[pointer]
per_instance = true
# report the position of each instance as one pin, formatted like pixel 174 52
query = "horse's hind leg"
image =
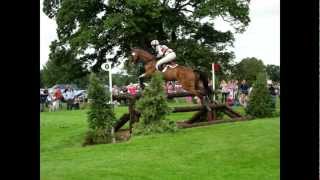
pixel 191 88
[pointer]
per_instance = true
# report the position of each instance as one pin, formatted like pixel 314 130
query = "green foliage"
pixel 248 69
pixel 154 108
pixel 273 72
pixel 260 101
pixel 98 136
pixel 41 81
pixel 101 117
pixel 63 68
pixel 200 56
pixel 118 78
pixel 103 25
pixel 156 127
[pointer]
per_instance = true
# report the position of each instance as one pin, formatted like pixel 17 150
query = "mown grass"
pixel 230 151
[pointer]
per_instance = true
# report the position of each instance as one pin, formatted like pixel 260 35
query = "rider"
pixel 166 54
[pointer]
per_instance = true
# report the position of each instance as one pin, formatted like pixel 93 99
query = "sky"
pixel 261 38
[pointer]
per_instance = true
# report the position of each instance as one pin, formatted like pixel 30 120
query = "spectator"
pixel 170 87
pixel 244 91
pixel 43 99
pixel 115 90
pixel 230 100
pixel 224 91
pixel 123 90
pixel 46 94
pixel 49 99
pixel 236 91
pixel 178 87
pixel 69 97
pixel 41 105
pixel 197 99
pixel 273 94
pixel 230 88
pixel 53 102
pixel 76 103
pixel 57 97
pixel 132 89
pixel 189 99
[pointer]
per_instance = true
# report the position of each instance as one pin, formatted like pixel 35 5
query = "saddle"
pixel 165 66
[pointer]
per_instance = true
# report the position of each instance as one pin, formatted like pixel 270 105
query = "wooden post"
pixel 130 115
pixel 209 115
pixel 213 82
pixel 214 114
pixel 113 135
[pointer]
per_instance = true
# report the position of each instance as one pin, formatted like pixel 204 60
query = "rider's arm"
pixel 159 52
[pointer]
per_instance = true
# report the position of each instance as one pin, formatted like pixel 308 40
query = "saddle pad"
pixel 169 66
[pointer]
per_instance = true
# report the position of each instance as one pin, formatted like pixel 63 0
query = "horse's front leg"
pixel 141 82
pixel 143 76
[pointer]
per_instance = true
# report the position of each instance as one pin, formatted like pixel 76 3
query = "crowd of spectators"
pixel 54 100
pixel 235 93
pixel 231 92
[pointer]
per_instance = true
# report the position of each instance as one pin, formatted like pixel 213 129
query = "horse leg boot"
pixel 141 83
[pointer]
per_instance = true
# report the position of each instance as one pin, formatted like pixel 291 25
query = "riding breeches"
pixel 169 57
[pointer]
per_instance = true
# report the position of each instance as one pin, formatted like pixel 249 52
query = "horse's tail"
pixel 204 79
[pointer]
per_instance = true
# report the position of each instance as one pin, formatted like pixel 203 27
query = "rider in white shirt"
pixel 166 54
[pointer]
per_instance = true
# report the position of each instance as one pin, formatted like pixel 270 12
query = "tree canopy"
pixel 248 69
pixel 62 67
pixel 90 29
pixel 273 72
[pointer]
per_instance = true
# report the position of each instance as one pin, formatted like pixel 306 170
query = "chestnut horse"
pixel 195 82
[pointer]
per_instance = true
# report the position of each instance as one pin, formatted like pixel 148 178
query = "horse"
pixel 193 81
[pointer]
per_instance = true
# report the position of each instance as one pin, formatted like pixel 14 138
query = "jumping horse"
pixel 193 81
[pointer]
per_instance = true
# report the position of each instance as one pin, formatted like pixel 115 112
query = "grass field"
pixel 232 151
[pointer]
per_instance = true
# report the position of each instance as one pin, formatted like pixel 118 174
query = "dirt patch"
pixel 123 135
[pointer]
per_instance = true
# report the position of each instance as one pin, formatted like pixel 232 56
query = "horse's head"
pixel 134 56
pixel 141 55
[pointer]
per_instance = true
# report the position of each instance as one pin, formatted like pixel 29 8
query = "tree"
pixel 118 79
pixel 248 69
pixel 260 101
pixel 63 67
pixel 101 117
pixel 41 81
pixel 273 72
pixel 102 25
pixel 154 107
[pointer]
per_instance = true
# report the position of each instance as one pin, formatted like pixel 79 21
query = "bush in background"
pixel 260 103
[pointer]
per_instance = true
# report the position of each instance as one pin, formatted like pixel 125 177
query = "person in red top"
pixel 132 89
pixel 58 94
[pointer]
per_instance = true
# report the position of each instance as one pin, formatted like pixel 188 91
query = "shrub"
pixel 101 117
pixel 153 107
pixel 260 101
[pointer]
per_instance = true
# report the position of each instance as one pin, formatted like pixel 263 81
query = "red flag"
pixel 215 67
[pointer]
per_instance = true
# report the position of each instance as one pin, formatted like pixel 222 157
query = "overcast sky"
pixel 261 38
